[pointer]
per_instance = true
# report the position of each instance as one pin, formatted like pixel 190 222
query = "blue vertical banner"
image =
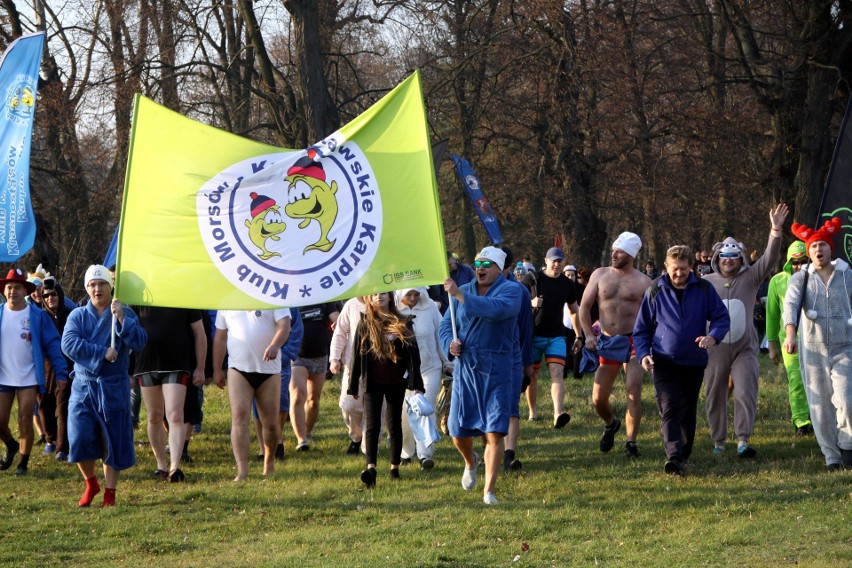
pixel 18 81
pixel 468 178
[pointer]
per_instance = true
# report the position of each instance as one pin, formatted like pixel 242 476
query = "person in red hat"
pixel 822 294
pixel 27 336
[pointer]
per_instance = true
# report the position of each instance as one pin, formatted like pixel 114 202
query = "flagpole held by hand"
pixel 453 321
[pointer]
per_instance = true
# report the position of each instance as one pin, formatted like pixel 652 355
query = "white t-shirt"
pixel 566 317
pixel 249 334
pixel 16 350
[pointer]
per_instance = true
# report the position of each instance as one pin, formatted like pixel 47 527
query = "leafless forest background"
pixel 681 120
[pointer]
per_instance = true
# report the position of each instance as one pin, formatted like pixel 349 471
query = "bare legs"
pixel 268 395
pixel 165 400
pixel 494 448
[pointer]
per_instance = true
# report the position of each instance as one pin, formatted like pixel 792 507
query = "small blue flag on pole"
pixel 18 81
pixel 468 178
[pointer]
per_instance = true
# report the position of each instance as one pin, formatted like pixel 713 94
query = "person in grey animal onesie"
pixel 736 282
pixel 825 340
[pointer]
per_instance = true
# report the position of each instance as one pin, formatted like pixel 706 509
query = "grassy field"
pixel 571 505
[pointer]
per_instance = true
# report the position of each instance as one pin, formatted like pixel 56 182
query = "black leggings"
pixel 395 396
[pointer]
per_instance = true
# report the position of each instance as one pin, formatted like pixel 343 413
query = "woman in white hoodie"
pixel 427 318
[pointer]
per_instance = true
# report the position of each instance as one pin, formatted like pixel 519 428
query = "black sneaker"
pixel 832 467
pixel 746 452
pixel 160 475
pixel 405 461
pixel 516 465
pixel 426 464
pixel 354 448
pixel 562 421
pixel 279 451
pixel 805 430
pixel 368 477
pixel 608 438
pixel 630 450
pixel 259 457
pixel 11 450
pixel 177 476
pixel 394 474
pixel 185 458
pixel 674 467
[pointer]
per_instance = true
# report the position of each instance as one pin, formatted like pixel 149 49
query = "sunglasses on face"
pixel 49 295
pixel 798 262
pixel 729 255
pixel 483 264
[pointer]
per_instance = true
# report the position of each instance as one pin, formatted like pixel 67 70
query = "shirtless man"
pixel 618 289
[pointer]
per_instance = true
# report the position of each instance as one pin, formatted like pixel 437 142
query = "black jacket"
pixel 409 354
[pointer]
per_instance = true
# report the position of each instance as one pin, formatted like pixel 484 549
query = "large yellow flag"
pixel 214 221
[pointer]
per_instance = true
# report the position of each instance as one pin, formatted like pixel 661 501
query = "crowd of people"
pixel 490 327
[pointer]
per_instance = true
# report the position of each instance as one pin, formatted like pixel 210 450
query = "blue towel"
pixel 589 363
pixel 615 348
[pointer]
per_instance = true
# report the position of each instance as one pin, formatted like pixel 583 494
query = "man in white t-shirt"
pixel 27 336
pixel 252 340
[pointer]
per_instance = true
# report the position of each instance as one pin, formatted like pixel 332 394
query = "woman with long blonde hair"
pixel 385 362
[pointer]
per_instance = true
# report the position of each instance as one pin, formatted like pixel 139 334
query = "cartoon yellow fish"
pixel 23 98
pixel 311 198
pixel 266 224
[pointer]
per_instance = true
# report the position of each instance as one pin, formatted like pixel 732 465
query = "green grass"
pixel 571 505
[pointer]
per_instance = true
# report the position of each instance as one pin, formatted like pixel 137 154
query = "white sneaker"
pixel 469 475
pixel 489 499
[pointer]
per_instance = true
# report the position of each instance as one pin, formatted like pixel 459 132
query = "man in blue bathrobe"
pixel 485 312
pixel 99 418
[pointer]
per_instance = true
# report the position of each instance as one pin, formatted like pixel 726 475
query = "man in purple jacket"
pixel 672 337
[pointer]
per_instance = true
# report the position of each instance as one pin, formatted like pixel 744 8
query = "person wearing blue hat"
pixel 551 291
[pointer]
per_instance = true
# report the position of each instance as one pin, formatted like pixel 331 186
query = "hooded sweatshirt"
pixel 427 320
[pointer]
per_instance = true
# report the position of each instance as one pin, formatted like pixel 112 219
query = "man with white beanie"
pixel 618 290
pixel 485 313
pixel 99 421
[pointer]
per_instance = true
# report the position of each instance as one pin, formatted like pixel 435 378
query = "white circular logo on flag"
pixel 293 228
pixel 20 99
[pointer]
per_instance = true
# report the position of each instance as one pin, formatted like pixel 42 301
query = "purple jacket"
pixel 668 328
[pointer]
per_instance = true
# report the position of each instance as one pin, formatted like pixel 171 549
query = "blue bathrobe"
pixel 99 417
pixel 483 385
